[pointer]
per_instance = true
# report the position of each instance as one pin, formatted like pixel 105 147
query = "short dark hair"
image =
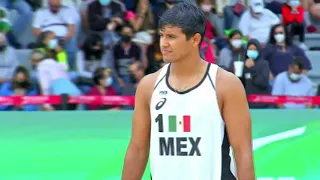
pixel 297 61
pixel 186 16
pixel 287 36
pixel 127 25
pixel 235 32
pixel 88 44
pixel 42 36
pixel 98 74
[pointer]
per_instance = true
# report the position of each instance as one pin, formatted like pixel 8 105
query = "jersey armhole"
pixel 161 76
pixel 212 75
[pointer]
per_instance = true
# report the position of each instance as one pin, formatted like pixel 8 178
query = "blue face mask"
pixel 294 3
pixel 53 43
pixel 252 54
pixel 105 2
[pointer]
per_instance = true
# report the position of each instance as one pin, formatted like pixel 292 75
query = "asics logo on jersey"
pixel 161 103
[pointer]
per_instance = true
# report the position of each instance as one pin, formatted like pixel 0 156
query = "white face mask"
pixel 108 82
pixel 237 43
pixel 295 77
pixel 279 38
pixel 206 7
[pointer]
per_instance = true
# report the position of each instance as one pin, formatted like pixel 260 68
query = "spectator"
pixel 293 83
pixel 104 17
pixel 48 43
pixel 8 60
pixel 256 73
pixel 143 19
pixel 89 58
pixel 257 21
pixel 56 18
pixel 124 53
pixel 53 79
pixel 280 51
pixel 24 12
pixel 231 10
pixel 103 87
pixel 207 49
pixel 154 56
pixel 293 19
pixel 275 5
pixel 233 52
pixel 84 14
pixel 19 86
pixel 312 8
pixel 137 73
pixel 6 28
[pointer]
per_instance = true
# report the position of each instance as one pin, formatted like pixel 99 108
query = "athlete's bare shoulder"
pixel 227 84
pixel 146 85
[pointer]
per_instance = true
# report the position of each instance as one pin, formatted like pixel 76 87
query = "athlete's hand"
pixel 249 63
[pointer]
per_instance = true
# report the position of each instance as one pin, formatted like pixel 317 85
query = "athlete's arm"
pixel 236 114
pixel 138 150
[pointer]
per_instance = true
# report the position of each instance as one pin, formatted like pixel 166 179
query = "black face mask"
pixel 125 38
pixel 170 1
pixel 22 84
pixel 2 47
pixel 133 78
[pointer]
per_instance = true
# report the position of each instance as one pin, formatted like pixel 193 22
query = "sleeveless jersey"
pixel 189 140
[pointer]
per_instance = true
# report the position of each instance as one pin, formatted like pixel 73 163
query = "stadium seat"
pixel 314 57
pixel 23 56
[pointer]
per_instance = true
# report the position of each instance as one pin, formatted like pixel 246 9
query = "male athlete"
pixel 188 113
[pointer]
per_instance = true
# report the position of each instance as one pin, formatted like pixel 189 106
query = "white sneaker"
pixel 303 46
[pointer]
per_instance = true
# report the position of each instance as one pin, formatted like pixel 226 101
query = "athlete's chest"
pixel 190 112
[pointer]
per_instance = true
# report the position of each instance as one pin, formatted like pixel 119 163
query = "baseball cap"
pixel 257 6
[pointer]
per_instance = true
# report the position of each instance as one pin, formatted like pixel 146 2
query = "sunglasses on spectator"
pixel 278 33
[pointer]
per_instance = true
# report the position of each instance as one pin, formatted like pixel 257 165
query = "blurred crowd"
pixel 105 47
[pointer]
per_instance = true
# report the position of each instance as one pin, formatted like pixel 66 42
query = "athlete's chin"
pixel 168 60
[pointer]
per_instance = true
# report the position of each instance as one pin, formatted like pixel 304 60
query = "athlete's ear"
pixel 196 40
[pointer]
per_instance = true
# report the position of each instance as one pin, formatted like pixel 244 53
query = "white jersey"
pixel 189 140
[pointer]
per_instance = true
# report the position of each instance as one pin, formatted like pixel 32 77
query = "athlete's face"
pixel 174 44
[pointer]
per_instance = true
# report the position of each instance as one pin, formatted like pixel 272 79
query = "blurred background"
pixel 82 60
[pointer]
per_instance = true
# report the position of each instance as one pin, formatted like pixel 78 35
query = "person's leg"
pixel 71 49
pixel 299 30
pixel 13 40
pixel 228 17
pixel 25 15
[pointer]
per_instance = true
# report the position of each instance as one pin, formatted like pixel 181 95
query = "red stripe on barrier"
pixel 129 100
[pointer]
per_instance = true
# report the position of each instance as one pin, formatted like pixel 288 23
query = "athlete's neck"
pixel 188 67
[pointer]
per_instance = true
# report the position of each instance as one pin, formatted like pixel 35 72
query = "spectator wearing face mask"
pixel 89 58
pixel 137 73
pixel 125 53
pixel 102 87
pixel 280 51
pixel 8 60
pixel 104 17
pixel 256 72
pixel 293 19
pixel 19 86
pixel 56 18
pixel 257 21
pixel 53 79
pixel 234 51
pixel 293 83
pixel 48 43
